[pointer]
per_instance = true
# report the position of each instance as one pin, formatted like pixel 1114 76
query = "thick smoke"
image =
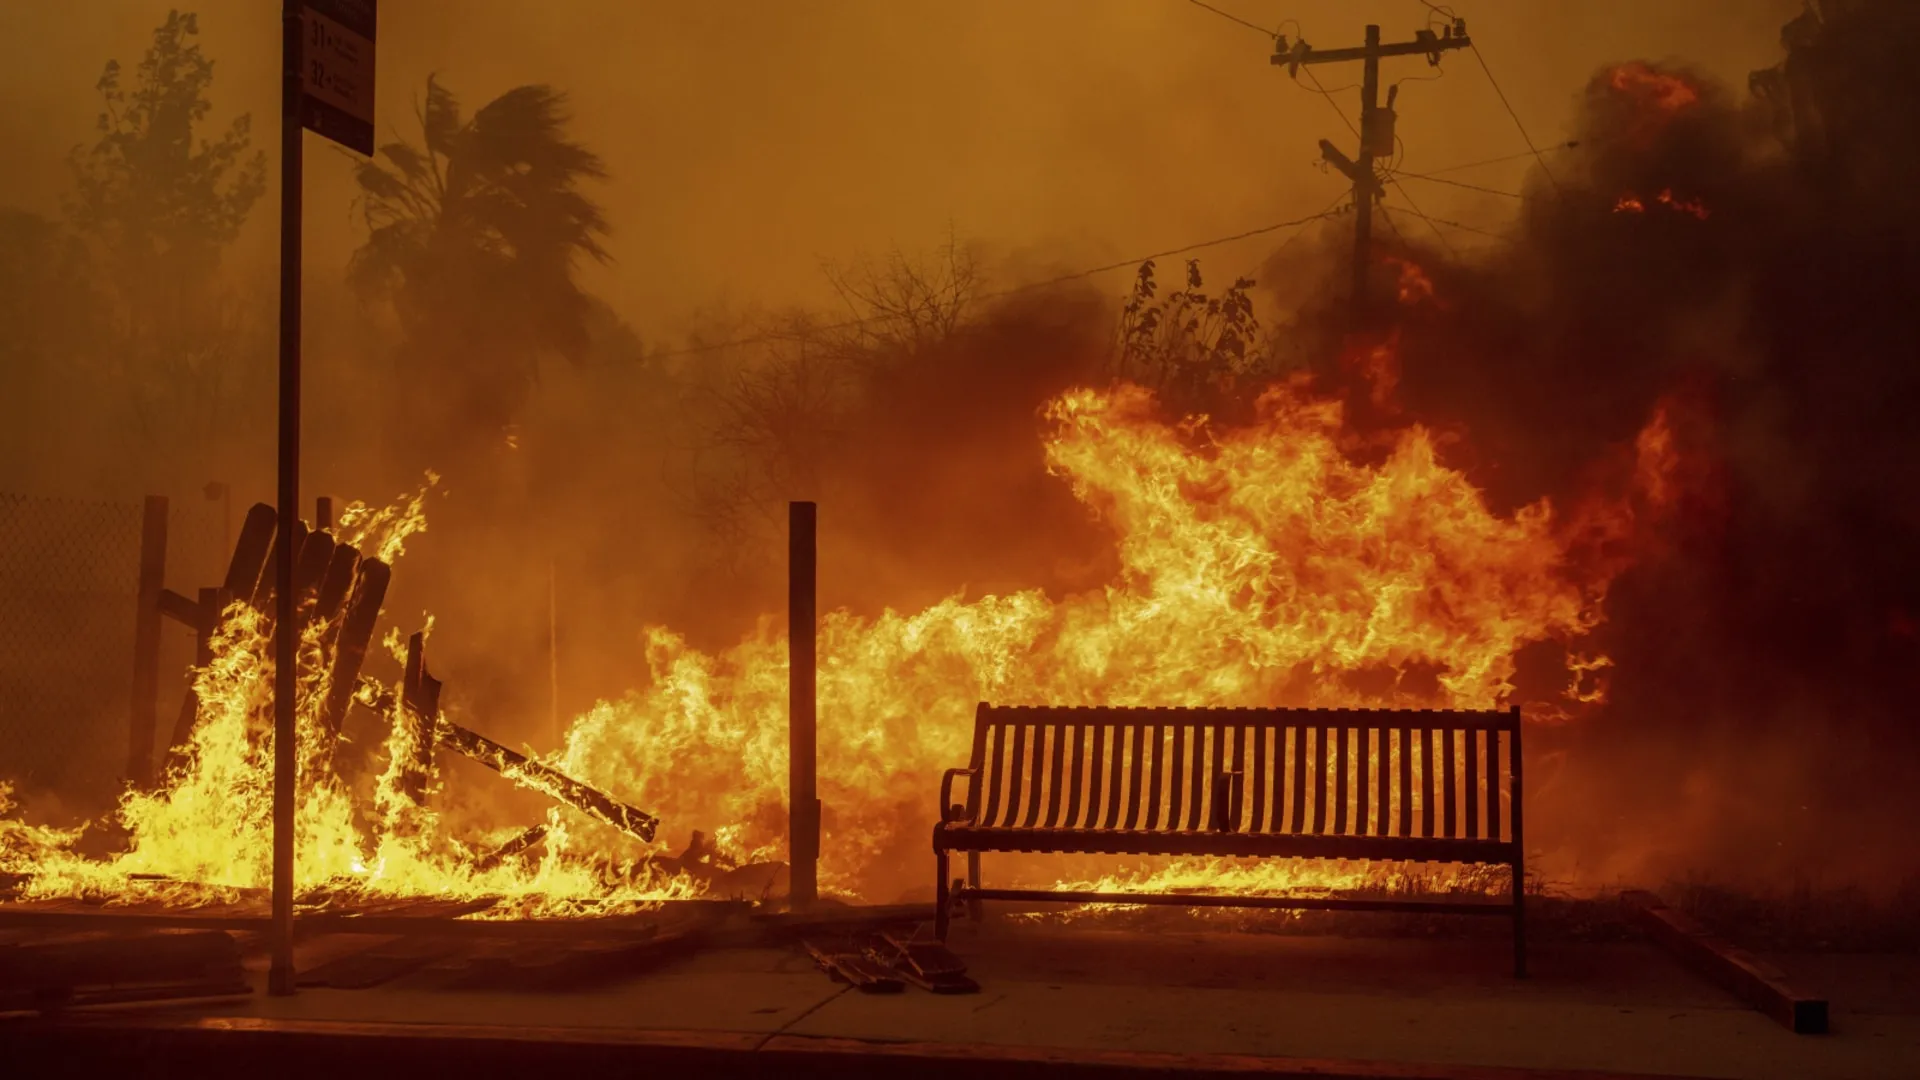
pixel 1744 254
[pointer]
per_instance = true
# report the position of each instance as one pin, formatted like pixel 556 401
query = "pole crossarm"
pixel 1305 54
pixel 1376 127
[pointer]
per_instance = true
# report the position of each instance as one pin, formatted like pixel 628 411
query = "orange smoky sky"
pixel 749 141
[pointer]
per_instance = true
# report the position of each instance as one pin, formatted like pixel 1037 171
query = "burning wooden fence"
pixel 340 592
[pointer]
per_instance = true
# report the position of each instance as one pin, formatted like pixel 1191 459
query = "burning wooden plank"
pixel 250 552
pixel 211 604
pixel 525 771
pixel 419 706
pixel 522 842
pixel 545 779
pixel 350 644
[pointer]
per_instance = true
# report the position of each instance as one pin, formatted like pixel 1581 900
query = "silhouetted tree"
pixel 157 204
pixel 1197 353
pixel 473 235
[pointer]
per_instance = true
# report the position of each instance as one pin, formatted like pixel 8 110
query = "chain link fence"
pixel 69 574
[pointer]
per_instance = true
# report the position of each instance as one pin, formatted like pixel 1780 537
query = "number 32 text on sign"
pixel 336 71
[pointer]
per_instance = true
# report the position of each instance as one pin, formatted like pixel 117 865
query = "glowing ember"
pixel 1691 207
pixel 1415 286
pixel 382 533
pixel 1659 90
pixel 1694 208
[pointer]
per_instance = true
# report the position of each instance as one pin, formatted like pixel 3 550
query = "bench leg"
pixel 1519 923
pixel 942 901
pixel 973 882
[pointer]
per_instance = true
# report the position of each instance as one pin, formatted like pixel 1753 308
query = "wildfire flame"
pixel 1661 91
pixel 1415 286
pixel 1260 565
pixel 1694 208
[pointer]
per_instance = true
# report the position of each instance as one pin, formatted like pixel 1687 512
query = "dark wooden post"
pixel 803 805
pixel 419 706
pixel 212 603
pixel 323 514
pixel 1517 800
pixel 146 640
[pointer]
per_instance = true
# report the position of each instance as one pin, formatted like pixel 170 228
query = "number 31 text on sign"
pixel 336 71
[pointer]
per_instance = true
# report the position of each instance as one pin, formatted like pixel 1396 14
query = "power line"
pixel 1332 104
pixel 1328 211
pixel 1062 279
pixel 1459 184
pixel 1417 212
pixel 1568 145
pixel 1463 228
pixel 1528 139
pixel 1391 178
pixel 1229 15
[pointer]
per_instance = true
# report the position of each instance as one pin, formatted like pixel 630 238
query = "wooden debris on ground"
pixel 1738 971
pixel 720 875
pixel 928 957
pixel 847 963
pixel 529 773
pixel 884 960
pixel 926 964
pixel 519 845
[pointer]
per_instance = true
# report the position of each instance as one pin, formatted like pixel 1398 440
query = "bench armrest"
pixel 947 806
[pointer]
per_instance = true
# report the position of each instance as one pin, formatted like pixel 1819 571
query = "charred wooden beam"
pixel 263 591
pixel 521 842
pixel 547 780
pixel 316 554
pixel 250 552
pixel 180 609
pixel 419 705
pixel 146 640
pixel 525 771
pixel 210 606
pixel 334 586
pixel 350 645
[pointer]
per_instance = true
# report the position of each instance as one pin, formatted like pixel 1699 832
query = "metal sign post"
pixel 326 85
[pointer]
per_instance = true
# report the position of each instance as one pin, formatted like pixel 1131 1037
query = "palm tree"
pixel 474 235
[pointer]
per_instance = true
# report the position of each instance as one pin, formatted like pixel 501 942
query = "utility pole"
pixel 1376 127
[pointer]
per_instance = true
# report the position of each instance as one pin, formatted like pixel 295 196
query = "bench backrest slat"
pixel 1492 785
pixel 1335 772
pixel 1404 744
pixel 1258 783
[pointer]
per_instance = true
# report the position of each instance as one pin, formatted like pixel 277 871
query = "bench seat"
pixel 1387 785
pixel 1227 844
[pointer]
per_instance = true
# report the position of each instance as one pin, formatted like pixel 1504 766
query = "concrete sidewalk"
pixel 1062 995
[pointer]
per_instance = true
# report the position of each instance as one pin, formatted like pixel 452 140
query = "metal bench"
pixel 1239 783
